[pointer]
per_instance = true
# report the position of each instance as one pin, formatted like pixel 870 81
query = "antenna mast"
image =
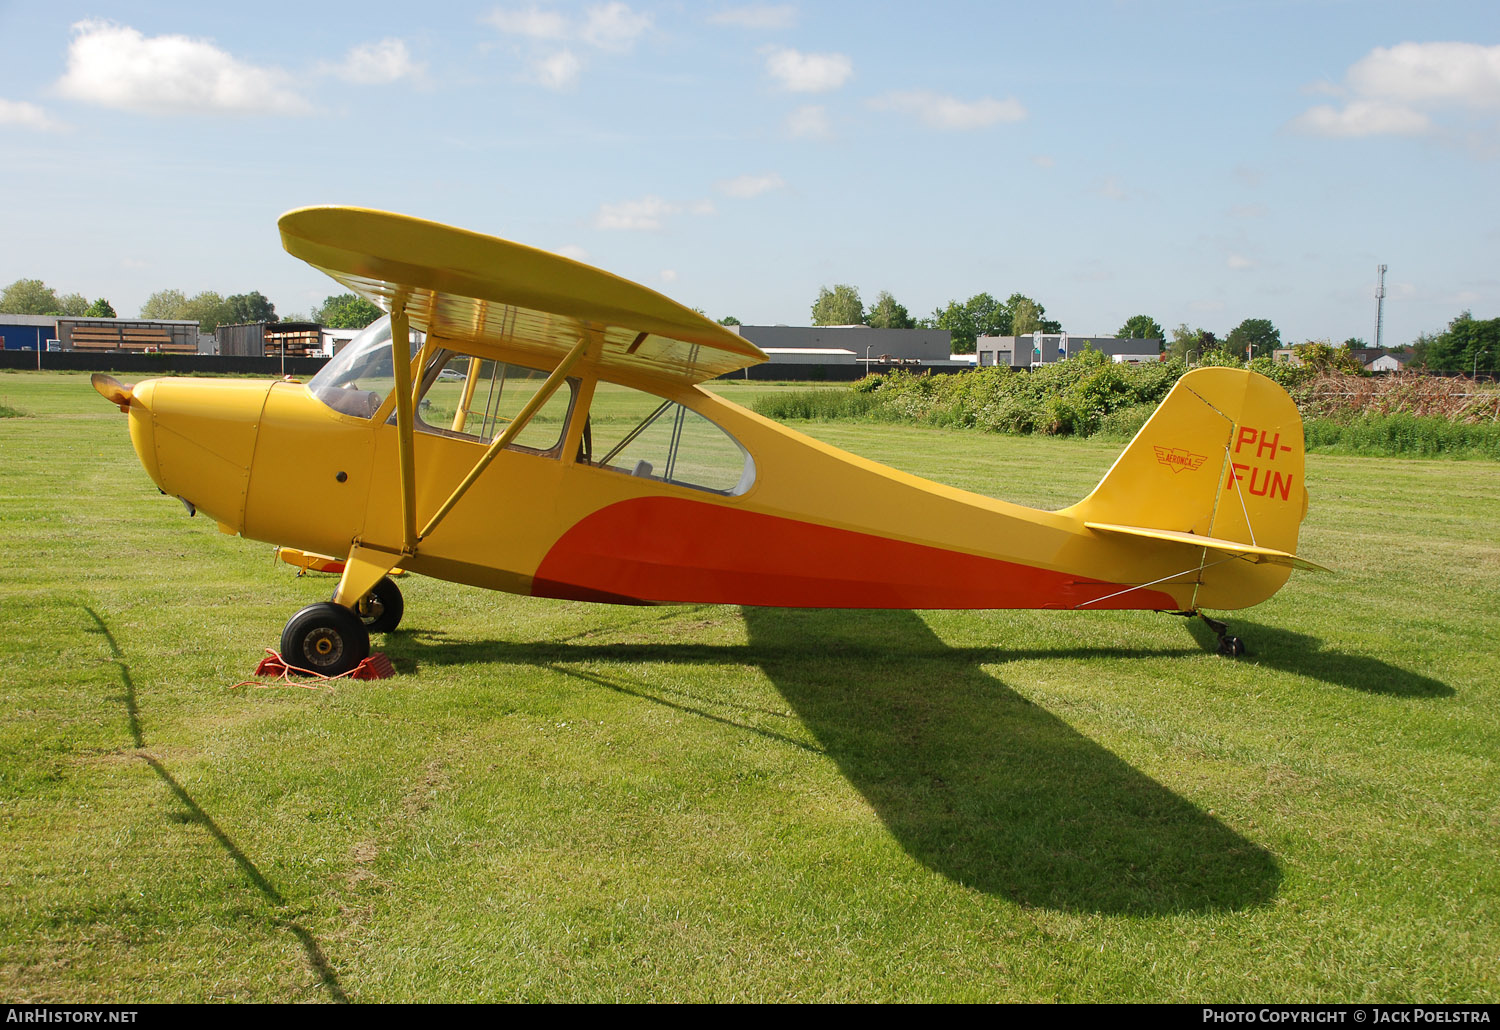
pixel 1379 307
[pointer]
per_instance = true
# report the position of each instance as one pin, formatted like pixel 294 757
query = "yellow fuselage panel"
pixel 312 482
pixel 196 437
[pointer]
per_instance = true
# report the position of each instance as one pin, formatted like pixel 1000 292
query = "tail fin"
pixel 1219 468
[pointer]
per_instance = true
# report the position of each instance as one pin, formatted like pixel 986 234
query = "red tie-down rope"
pixel 375 667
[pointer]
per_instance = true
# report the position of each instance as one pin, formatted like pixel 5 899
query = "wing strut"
pixel 556 379
pixel 405 423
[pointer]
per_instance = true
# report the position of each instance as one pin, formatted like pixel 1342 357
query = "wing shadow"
pixel 973 780
pixel 991 790
pixel 1305 655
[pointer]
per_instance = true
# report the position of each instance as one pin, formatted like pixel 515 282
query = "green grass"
pixel 563 801
pixel 1405 434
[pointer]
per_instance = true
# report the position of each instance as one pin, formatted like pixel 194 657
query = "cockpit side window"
pixel 641 434
pixel 476 398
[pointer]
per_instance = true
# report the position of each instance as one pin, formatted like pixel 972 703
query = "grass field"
pixel 561 801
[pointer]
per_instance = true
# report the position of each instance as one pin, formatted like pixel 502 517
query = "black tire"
pixel 381 609
pixel 325 638
pixel 1233 647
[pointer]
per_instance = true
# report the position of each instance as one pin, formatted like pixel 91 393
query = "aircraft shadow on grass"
pixel 193 813
pixel 972 779
pixel 1305 655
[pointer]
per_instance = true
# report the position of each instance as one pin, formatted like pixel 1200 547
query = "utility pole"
pixel 1379 307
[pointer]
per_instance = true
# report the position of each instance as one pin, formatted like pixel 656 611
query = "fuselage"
pixel 804 524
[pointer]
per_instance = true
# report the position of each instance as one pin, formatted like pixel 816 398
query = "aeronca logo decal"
pixel 1179 458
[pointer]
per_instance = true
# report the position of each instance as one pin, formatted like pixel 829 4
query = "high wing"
pixel 466 287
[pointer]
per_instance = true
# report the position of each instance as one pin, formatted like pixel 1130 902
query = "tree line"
pixel 967 320
pixel 980 315
pixel 34 297
pixel 208 309
pixel 1468 344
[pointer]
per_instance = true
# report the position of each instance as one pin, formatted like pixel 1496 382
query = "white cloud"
pixel 757 16
pixel 374 64
pixel 573 251
pixel 746 186
pixel 668 275
pixel 808 73
pixel 28 116
pixel 1112 189
pixel 1323 88
pixel 532 22
pixel 1238 261
pixel 1394 91
pixel 557 71
pixel 1247 211
pixel 810 121
pixel 1044 161
pixel 1362 118
pixel 115 66
pixel 1430 73
pixel 613 26
pixel 646 213
pixel 949 113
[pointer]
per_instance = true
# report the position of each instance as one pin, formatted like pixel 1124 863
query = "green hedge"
pixel 1089 394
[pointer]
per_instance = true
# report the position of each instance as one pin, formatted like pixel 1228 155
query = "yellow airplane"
pixel 547 433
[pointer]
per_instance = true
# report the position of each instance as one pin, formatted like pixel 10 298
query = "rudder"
pixel 1222 457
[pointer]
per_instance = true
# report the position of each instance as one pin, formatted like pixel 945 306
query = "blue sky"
pixel 1198 162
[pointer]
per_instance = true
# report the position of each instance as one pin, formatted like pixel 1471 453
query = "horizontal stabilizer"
pixel 1250 552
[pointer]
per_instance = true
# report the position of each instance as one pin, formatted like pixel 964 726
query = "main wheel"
pixel 325 638
pixel 381 609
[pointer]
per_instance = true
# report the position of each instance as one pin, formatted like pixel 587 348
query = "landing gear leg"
pixel 1229 646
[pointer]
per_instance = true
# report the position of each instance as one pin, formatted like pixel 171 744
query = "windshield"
pixel 359 376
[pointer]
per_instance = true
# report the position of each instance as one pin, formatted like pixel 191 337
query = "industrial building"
pixel 28 332
pixel 138 335
pixel 70 333
pixel 854 346
pixel 1047 348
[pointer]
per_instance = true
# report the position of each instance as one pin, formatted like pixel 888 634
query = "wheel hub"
pixel 323 647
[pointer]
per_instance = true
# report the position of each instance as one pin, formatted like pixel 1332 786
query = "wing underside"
pixel 466 287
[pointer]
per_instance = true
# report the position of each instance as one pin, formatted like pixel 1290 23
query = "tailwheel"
pixel 1231 647
pixel 381 609
pixel 325 638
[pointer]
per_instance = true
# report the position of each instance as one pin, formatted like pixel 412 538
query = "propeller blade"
pixel 112 390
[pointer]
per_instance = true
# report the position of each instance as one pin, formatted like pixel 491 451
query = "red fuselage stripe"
pixel 661 549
